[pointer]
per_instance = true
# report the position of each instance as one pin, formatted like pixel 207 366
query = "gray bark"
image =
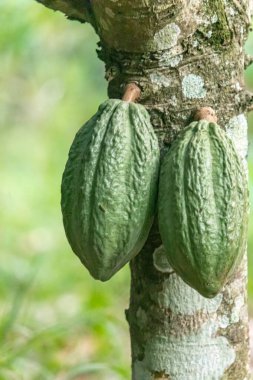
pixel 183 54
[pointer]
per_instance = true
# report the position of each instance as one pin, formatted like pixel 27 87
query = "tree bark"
pixel 182 54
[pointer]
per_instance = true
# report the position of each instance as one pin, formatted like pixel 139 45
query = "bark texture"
pixel 183 54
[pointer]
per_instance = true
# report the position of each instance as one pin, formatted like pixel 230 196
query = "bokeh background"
pixel 55 321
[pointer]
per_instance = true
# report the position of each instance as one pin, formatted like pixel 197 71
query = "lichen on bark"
pixel 183 54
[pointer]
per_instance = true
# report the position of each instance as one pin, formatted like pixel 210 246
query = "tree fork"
pixel 183 55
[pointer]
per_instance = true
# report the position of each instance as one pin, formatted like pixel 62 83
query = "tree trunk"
pixel 182 54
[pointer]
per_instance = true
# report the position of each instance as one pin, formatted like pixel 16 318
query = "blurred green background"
pixel 55 321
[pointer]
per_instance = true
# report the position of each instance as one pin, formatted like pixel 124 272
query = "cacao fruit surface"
pixel 203 207
pixel 109 187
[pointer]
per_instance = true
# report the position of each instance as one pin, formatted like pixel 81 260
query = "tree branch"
pixel 73 9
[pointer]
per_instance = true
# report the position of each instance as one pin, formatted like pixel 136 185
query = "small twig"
pixel 132 93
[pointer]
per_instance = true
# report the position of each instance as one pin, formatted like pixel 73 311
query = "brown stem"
pixel 205 113
pixel 131 93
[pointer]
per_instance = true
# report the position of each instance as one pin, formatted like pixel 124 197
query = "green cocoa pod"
pixel 109 187
pixel 203 207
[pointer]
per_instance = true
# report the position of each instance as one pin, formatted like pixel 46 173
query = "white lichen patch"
pixel 231 11
pixel 167 37
pixel 160 261
pixel 209 34
pixel 214 18
pixel 237 129
pixel 235 289
pixel 224 321
pixel 173 101
pixel 237 86
pixel 171 59
pixel 174 61
pixel 201 355
pixel 236 311
pixel 180 298
pixel 234 315
pixel 193 87
pixel 159 80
